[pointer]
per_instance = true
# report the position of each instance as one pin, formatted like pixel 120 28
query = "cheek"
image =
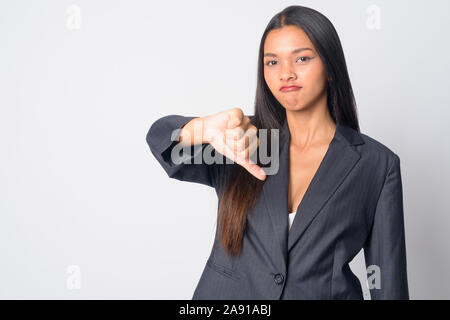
pixel 270 79
pixel 310 75
pixel 314 78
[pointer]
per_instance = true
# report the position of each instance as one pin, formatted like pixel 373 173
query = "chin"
pixel 294 108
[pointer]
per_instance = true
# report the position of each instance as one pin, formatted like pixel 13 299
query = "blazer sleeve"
pixel 159 139
pixel 385 247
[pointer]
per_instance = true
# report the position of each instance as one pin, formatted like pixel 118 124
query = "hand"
pixel 232 134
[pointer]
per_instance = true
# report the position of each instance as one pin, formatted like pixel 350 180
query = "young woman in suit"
pixel 343 187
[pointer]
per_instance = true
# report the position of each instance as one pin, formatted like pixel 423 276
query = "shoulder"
pixel 376 151
pixel 377 161
pixel 375 155
pixel 373 145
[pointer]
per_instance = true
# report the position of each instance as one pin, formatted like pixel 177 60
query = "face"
pixel 291 59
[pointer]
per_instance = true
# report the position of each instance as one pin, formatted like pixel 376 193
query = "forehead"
pixel 284 40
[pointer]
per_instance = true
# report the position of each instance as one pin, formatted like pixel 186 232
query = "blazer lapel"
pixel 339 160
pixel 337 163
pixel 275 194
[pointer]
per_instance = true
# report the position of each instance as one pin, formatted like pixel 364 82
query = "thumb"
pixel 254 169
pixel 233 122
pixel 247 164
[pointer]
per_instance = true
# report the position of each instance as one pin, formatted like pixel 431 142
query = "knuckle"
pixel 237 112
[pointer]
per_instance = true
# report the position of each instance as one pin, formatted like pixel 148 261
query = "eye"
pixel 305 59
pixel 302 59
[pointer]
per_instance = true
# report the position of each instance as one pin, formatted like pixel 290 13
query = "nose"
pixel 287 72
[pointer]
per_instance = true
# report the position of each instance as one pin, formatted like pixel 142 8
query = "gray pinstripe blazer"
pixel 354 201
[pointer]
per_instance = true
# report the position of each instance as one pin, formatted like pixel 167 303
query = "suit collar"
pixel 339 160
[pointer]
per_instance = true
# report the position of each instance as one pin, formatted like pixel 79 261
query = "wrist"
pixel 201 122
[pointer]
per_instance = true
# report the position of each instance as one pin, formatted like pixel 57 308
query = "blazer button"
pixel 279 278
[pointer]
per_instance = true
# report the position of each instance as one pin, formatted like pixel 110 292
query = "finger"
pixel 237 145
pixel 234 119
pixel 247 144
pixel 251 131
pixel 252 127
pixel 236 132
pixel 250 136
pixel 238 135
pixel 229 153
pixel 245 123
pixel 240 145
pixel 253 169
pixel 250 150
pixel 249 165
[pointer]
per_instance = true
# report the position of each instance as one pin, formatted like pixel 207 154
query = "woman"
pixel 343 187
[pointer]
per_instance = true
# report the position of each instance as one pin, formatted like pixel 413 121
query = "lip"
pixel 290 88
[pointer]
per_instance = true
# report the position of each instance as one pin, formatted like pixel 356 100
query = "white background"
pixel 82 81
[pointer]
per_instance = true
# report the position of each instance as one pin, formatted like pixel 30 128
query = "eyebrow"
pixel 268 54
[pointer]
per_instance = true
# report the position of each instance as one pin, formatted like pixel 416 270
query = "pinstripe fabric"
pixel 354 201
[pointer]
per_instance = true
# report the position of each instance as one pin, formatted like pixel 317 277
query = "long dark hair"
pixel 242 189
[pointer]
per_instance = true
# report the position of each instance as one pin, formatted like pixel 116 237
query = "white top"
pixel 291 218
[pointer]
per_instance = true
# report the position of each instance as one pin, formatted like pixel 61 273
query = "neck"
pixel 310 127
